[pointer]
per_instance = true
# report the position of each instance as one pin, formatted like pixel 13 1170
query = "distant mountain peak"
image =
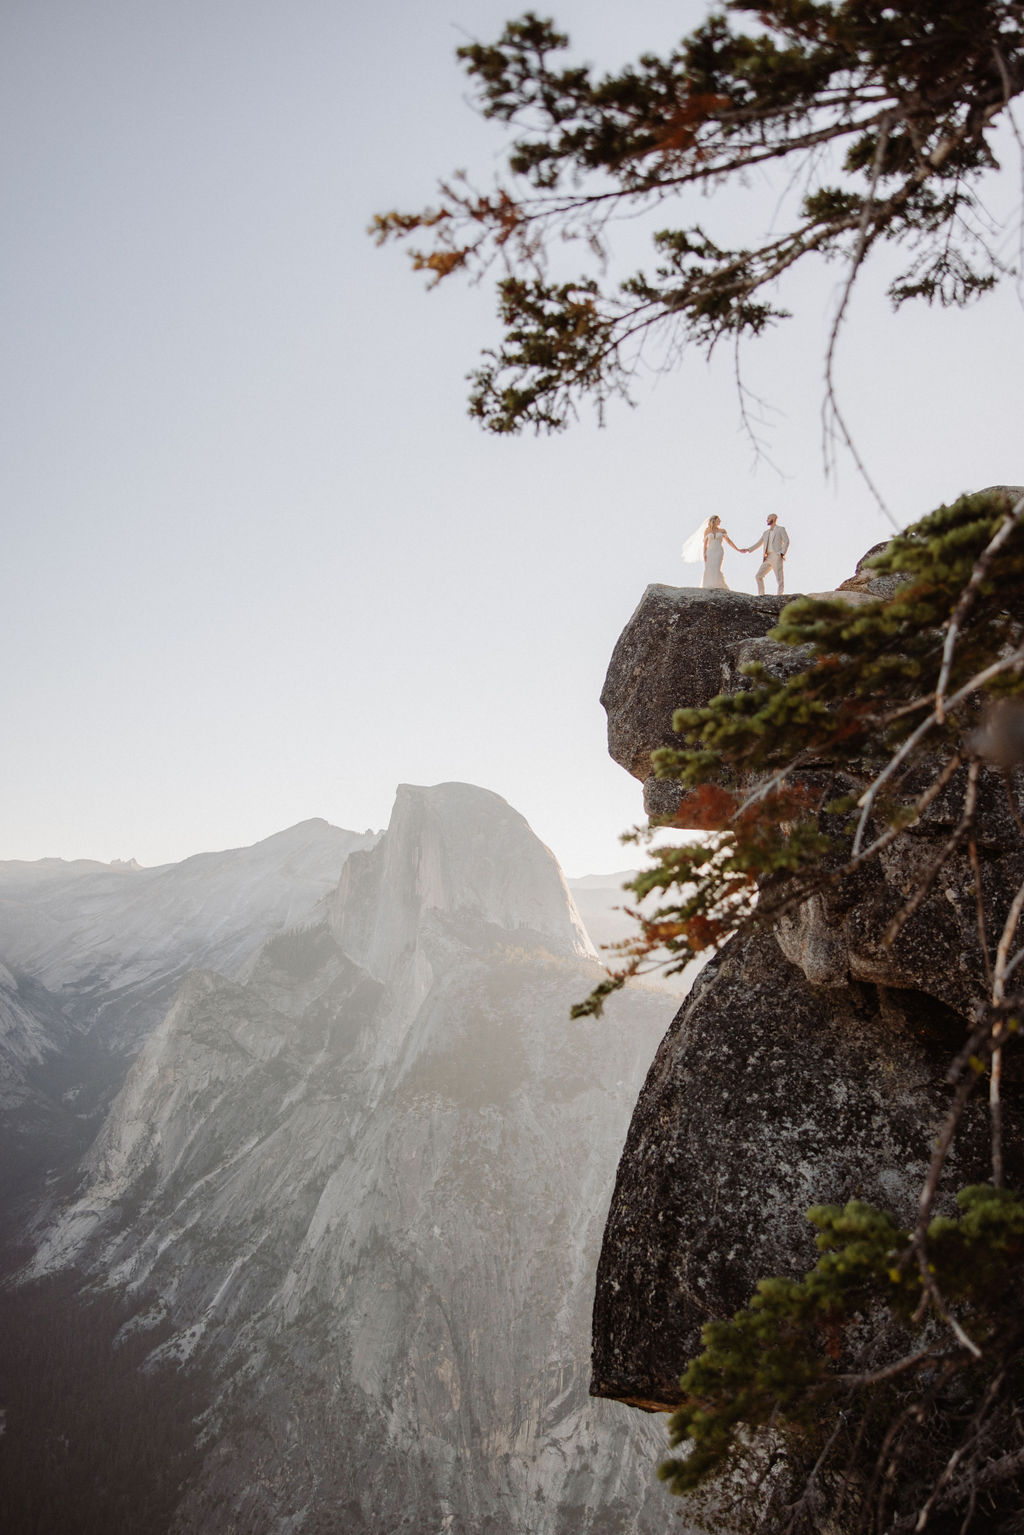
pixel 451 849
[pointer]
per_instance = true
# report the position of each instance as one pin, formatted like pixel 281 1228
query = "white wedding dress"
pixel 713 563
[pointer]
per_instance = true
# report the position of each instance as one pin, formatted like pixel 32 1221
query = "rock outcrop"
pixel 676 652
pixel 839 936
pixel 808 1064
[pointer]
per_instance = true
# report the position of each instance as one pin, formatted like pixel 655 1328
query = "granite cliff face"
pixel 808 1064
pixel 91 955
pixel 676 652
pixel 365 1185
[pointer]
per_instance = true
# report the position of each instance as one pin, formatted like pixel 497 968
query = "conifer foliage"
pixel 882 113
pixel 800 779
pixel 907 714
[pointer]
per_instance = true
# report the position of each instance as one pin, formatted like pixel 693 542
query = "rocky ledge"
pixel 679 649
pixel 807 1066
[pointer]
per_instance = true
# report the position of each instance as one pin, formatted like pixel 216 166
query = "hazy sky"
pixel 258 563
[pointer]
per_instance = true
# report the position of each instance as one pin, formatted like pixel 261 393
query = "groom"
pixel 774 542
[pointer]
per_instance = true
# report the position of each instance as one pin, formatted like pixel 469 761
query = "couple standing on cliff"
pixel 774 542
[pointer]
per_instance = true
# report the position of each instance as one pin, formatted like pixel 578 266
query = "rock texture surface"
pixel 676 652
pixel 808 1064
pixel 681 648
pixel 366 1186
pixel 839 936
pixel 766 1096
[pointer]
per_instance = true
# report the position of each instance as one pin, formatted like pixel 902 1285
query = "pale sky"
pixel 259 565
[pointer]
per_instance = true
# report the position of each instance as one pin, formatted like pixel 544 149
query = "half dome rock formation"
pixel 808 1064
pixel 459 855
pixel 364 1190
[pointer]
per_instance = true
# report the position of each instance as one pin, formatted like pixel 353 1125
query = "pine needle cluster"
pixel 884 113
pixel 872 1444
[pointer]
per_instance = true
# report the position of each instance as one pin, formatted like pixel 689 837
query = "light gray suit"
pixel 774 542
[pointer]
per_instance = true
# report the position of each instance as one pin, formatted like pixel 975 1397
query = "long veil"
pixel 693 549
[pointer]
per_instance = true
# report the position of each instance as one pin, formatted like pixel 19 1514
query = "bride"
pixel 711 539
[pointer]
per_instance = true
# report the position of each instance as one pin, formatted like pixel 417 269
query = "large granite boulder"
pixel 684 646
pixel 676 652
pixel 767 1095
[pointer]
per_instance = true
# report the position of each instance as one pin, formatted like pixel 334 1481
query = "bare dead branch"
pixel 979 909
pixel 931 874
pixel 803 1502
pixel 963 1449
pixel 1006 938
pixel 901 1366
pixel 919 806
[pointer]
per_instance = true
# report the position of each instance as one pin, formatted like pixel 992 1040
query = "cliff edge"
pixel 808 1064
